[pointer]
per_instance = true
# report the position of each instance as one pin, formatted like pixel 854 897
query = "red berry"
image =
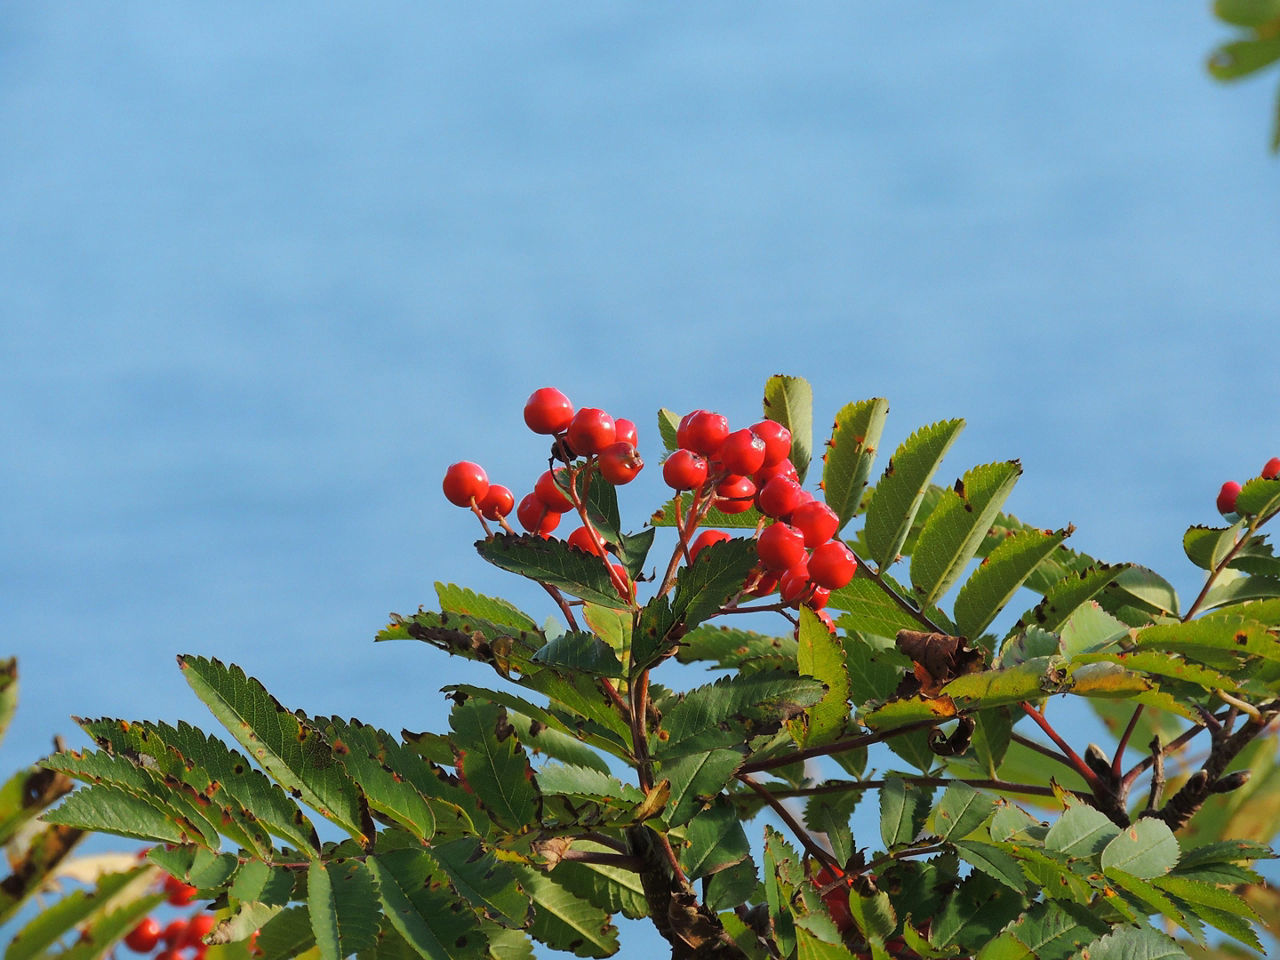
pixel 590 431
pixel 497 502
pixel 178 893
pixel 684 470
pixel 624 430
pixel 620 576
pixel 780 547
pixel 198 928
pixel 794 584
pixel 826 619
pixel 734 494
pixel 779 497
pixel 463 481
pixel 1272 469
pixel 705 539
pixel 170 954
pixel 742 452
pixel 816 521
pixel 817 600
pixel 619 463
pixel 548 411
pixel 144 937
pixel 760 583
pixel 783 468
pixel 581 539
pixel 1227 497
pixel 702 432
pixel 174 932
pixel 551 493
pixel 837 900
pixel 777 441
pixel 831 565
pixel 535 517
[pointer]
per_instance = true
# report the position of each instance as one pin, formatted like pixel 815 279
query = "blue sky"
pixel 265 273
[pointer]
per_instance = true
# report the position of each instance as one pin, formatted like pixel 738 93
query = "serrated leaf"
pixel 478 877
pixel 789 401
pixel 112 810
pixel 957 526
pixel 1206 547
pixel 829 815
pixel 668 424
pixel 1048 931
pixel 1144 588
pixel 994 861
pixel 1146 849
pixel 992 734
pixel 550 742
pixel 730 648
pixel 1223 909
pixel 494 764
pixel 343 904
pixel 288 934
pixel 716 576
pixel 584 782
pixel 1133 943
pixel 1054 876
pixel 975 913
pixel 1216 641
pixel 1090 628
pixel 897 812
pixel 1005 569
pixel 1081 832
pixel 781 874
pixel 579 652
pixel 611 740
pixel 468 603
pixel 899 712
pixel 248 917
pixel 901 489
pixel 714 840
pixel 1064 597
pixel 665 516
pixel 80 908
pixel 869 609
pixel 753 703
pixel 874 672
pixel 563 921
pixel 382 769
pixel 1261 495
pixel 1247 13
pixel 1029 680
pixel 1163 664
pixel 422 912
pixel 263 883
pixel 293 753
pixel 695 778
pixel 555 562
pixel 851 451
pixel 821 656
pixel 961 810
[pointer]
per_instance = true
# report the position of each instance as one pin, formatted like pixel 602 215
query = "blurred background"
pixel 266 272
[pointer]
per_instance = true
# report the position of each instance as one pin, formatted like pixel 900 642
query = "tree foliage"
pixel 578 788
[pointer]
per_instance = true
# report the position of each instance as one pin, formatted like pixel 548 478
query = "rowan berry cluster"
pixel 183 937
pixel 1231 490
pixel 736 470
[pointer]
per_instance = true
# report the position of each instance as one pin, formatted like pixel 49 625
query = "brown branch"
pixel 814 850
pixel 844 786
pixel 840 746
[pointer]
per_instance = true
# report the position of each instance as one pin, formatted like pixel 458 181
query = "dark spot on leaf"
pixel 1242 638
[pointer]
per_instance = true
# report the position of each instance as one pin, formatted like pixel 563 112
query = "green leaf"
pixel 957 526
pixel 829 814
pixel 547 741
pixel 494 764
pixel 1090 628
pixel 1215 641
pixel 468 603
pixel 112 810
pixel 874 672
pixel 901 490
pixel 665 516
pixel 1145 589
pixel 1261 496
pixel 1081 832
pixel 293 753
pixel 994 861
pixel 1145 849
pixel 1029 680
pixel 1243 57
pixel 961 810
pixel 1048 931
pixel 992 734
pixel 975 913
pixel 1163 664
pixel 479 878
pixel 730 648
pixel 821 656
pixel 1247 13
pixel 716 576
pixel 1224 909
pixel 563 921
pixel 612 741
pixel 633 550
pixel 898 812
pixel 1148 900
pixel 382 768
pixel 585 783
pixel 734 709
pixel 579 652
pixel 343 904
pixel 1134 943
pixel 696 778
pixel 261 882
pixel 870 609
pixel 249 916
pixel 555 562
pixel 851 451
pixel 8 692
pixel 1206 547
pixel 781 874
pixel 999 576
pixel 288 934
pixel 789 401
pixel 611 889
pixel 422 909
pixel 84 908
pixel 714 840
pixel 1064 597
pixel 668 424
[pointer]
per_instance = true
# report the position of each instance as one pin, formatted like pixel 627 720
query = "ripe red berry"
pixel 174 932
pixel 581 539
pixel 548 411
pixel 780 547
pixel 551 493
pixel 837 900
pixel 624 430
pixel 705 539
pixel 178 893
pixel 831 565
pixel 735 494
pixel 779 497
pixel 816 521
pixel 684 470
pixel 702 432
pixel 818 599
pixel 497 502
pixel 742 452
pixel 620 577
pixel 198 928
pixel 535 517
pixel 144 937
pixel 760 583
pixel 826 619
pixel 1271 469
pixel 590 431
pixel 777 441
pixel 1227 497
pixel 619 463
pixel 783 468
pixel 794 584
pixel 463 481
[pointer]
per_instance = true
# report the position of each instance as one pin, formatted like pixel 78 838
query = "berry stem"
pixel 1096 785
pixel 558 597
pixel 475 508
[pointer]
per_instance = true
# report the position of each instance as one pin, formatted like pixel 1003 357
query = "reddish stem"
pixel 1097 786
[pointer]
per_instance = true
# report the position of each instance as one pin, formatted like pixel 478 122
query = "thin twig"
pixel 558 597
pixel 815 851
pixel 840 746
pixel 908 608
pixel 1041 748
pixel 1124 741
pixel 846 786
pixel 1095 784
